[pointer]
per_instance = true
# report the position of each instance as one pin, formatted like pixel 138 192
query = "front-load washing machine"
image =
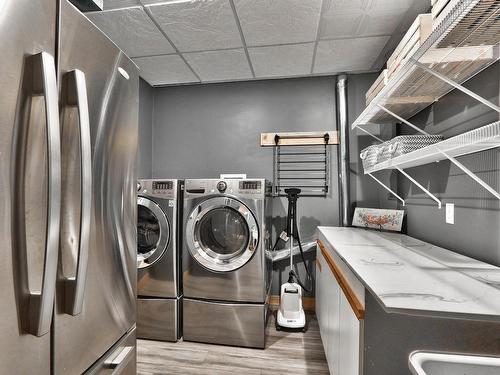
pixel 159 290
pixel 227 266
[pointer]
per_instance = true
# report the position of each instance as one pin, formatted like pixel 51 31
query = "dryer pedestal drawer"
pixel 237 324
pixel 158 319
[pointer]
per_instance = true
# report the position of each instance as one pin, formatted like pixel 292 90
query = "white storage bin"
pixel 404 144
pixel 369 156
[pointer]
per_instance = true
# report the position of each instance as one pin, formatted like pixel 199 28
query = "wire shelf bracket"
pixel 387 188
pixel 419 185
pixel 458 86
pixel 450 158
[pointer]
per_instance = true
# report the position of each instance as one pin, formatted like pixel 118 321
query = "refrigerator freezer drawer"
pixel 237 324
pixel 158 319
pixel 121 359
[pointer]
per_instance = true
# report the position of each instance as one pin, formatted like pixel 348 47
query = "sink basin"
pixel 432 363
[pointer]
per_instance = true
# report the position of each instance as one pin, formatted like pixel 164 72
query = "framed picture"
pixel 378 219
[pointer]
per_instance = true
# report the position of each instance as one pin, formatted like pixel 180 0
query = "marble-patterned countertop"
pixel 410 276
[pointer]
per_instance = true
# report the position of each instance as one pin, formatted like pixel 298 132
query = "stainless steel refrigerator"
pixel 68 143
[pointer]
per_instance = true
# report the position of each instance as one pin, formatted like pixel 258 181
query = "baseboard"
pixel 308 303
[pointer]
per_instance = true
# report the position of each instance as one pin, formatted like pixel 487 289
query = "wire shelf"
pixel 476 140
pixel 464 43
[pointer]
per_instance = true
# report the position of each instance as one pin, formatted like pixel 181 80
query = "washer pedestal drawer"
pixel 237 324
pixel 158 319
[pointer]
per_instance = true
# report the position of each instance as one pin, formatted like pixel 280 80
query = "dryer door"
pixel 222 234
pixel 153 232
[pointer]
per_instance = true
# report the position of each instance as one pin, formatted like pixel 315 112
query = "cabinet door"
pixel 321 298
pixel 349 339
pixel 333 325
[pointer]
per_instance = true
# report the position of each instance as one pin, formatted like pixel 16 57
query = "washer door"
pixel 153 232
pixel 222 234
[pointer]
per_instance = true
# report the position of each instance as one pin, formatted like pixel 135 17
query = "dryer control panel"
pixel 248 188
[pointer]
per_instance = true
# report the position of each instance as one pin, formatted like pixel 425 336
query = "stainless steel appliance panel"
pixel 158 318
pixel 158 273
pixel 238 324
pixel 108 295
pixel 249 283
pixel 121 359
pixel 26 28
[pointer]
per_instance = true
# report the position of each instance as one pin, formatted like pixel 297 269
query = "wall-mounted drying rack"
pixel 302 160
pixel 466 42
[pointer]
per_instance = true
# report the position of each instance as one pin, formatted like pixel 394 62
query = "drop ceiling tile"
pixel 282 61
pixel 198 25
pixel 336 26
pixel 348 55
pixel 132 30
pixel 267 22
pixel 164 70
pixel 381 22
pixel 116 4
pixel 331 6
pixel 399 4
pixel 343 18
pixel 219 65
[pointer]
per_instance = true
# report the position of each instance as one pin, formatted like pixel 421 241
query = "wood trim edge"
pixel 356 305
pixel 318 264
pixel 308 303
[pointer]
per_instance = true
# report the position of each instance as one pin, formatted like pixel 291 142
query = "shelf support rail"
pixel 450 158
pixel 387 188
pixel 457 86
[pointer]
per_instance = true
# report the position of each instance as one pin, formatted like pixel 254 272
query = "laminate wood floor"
pixel 285 353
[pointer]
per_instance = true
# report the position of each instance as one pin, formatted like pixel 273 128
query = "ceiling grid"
pixel 197 41
pixel 238 24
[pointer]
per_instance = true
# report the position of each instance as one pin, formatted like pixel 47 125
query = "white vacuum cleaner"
pixel 291 313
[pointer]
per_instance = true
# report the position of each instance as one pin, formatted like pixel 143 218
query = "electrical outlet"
pixel 450 213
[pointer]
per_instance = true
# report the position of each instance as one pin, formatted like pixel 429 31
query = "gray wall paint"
pixel 144 155
pixel 204 130
pixel 365 192
pixel 477 212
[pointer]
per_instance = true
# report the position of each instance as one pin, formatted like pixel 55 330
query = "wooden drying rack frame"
pixel 299 138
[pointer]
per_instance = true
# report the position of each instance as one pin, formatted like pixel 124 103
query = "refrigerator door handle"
pixel 41 304
pixel 75 286
pixel 121 359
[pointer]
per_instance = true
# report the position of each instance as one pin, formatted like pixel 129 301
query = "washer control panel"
pixel 158 188
pixel 222 186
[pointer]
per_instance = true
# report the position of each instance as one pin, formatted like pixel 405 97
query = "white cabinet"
pixel 350 339
pixel 340 326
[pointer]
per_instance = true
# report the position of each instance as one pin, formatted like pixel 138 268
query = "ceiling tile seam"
pixel 315 49
pixel 354 37
pixel 243 41
pixel 228 49
pixel 148 12
pixel 307 75
pixel 362 21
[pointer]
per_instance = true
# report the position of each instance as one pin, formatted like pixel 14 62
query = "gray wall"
pixel 144 153
pixel 477 213
pixel 365 192
pixel 204 130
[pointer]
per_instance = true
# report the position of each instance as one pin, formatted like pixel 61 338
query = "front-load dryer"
pixel 226 262
pixel 159 291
